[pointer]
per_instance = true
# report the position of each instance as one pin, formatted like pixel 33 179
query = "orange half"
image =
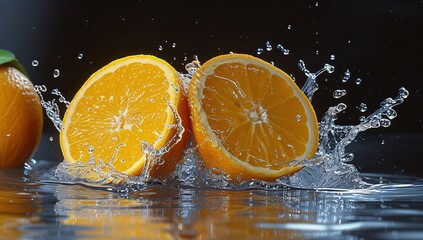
pixel 121 105
pixel 250 119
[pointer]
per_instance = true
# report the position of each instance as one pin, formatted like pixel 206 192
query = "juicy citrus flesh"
pixel 121 105
pixel 21 117
pixel 250 119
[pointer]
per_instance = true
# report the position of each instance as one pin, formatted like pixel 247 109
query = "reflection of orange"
pixel 21 117
pixel 113 218
pixel 168 213
pixel 238 217
pixel 17 208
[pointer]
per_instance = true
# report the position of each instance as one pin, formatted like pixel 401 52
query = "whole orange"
pixel 21 117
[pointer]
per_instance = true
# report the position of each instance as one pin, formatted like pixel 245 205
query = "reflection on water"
pixel 391 209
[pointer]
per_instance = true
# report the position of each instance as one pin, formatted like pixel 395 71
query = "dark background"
pixel 380 42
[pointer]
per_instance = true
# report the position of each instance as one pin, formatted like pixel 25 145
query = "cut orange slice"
pixel 250 119
pixel 121 105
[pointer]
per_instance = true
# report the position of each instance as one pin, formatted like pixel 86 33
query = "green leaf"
pixel 7 57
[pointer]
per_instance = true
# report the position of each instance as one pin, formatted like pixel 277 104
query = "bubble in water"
pixel 358 81
pixel 80 56
pixel 339 93
pixel 268 46
pixel 160 47
pixel 56 73
pixel 259 51
pixel 332 57
pixel 35 63
pixel 50 139
pixel 362 107
pixel 346 76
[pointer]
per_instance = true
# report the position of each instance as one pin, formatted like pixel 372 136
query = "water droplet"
pixel 358 81
pixel 259 51
pixel 56 73
pixel 173 45
pixel 385 122
pixel 329 68
pixel 346 76
pixel 332 57
pixel 362 118
pixel 391 113
pixel 388 102
pixel 339 93
pixel 8 134
pixel 284 50
pixel 317 4
pixel 362 107
pixel 317 52
pixel 80 56
pixel 35 63
pixel 268 46
pixel 43 88
pixel 50 139
pixel 114 138
pixel 341 107
pixel 279 137
pixel 403 92
pixel 383 142
pixel 289 26
pixel 91 150
pixel 298 117
pixel 160 47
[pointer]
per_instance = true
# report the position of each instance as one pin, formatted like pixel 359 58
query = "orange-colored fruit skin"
pixel 174 155
pixel 21 118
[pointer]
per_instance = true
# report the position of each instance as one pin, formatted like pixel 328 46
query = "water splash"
pixel 50 107
pixel 97 172
pixel 329 168
pixel 311 86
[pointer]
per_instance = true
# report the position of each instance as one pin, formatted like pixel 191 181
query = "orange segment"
pixel 250 119
pixel 124 103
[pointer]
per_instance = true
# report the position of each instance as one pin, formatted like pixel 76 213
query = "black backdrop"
pixel 380 42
